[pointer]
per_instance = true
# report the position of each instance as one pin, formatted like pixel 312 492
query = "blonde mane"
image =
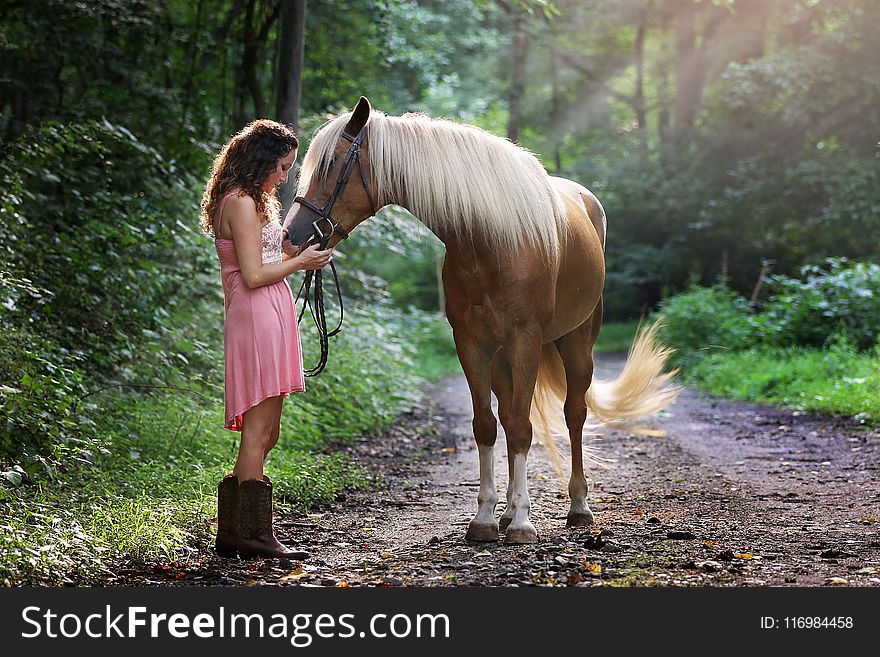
pixel 456 178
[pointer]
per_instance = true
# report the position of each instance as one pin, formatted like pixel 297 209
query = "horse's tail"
pixel 642 388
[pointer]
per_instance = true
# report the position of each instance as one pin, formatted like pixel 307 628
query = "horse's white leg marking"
pixel 507 517
pixel 484 527
pixel 521 530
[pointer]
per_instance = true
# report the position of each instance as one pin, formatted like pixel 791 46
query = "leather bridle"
pixel 352 159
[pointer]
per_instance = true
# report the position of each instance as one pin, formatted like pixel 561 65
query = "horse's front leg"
pixel 523 355
pixel 475 361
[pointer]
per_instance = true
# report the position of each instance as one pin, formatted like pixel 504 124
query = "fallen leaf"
pixel 342 585
pixel 742 555
pixel 448 450
pixel 867 520
pixel 294 574
pixel 836 581
pixel 593 567
pixel 386 555
pixel 639 513
pixel 180 575
pixel 709 543
pixel 645 431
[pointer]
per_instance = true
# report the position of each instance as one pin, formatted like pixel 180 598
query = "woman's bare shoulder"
pixel 242 207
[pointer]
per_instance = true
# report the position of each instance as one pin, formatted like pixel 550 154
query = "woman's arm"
pixel 244 222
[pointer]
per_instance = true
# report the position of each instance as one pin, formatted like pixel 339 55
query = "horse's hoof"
pixel 482 533
pixel 580 519
pixel 521 536
pixel 504 522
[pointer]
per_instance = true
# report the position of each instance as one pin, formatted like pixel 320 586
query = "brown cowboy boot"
pixel 257 536
pixel 227 517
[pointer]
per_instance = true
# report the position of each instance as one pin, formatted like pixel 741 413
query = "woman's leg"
pixel 256 435
pixel 276 428
pixel 260 429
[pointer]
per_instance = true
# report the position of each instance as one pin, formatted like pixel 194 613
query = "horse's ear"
pixel 359 116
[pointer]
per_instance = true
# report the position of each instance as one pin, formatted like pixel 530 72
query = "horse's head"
pixel 339 193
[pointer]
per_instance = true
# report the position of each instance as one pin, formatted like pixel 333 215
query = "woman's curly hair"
pixel 244 163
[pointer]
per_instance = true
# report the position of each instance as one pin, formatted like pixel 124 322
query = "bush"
pixel 100 224
pixel 838 379
pixel 97 254
pixel 705 319
pixel 837 297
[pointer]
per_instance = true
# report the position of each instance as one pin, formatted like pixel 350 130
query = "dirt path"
pixel 714 493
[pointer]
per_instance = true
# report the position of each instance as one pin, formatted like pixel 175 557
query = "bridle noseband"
pixel 352 158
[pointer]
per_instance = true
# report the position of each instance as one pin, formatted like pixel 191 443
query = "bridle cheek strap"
pixel 352 159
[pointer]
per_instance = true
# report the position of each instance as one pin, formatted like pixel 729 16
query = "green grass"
pixel 616 337
pixel 838 380
pixel 150 492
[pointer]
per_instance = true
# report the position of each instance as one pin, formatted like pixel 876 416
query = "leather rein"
pixel 352 160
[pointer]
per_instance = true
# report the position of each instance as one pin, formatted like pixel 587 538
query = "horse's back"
pixel 586 200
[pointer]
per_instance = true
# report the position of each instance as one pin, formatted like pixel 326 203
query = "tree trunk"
pixel 664 101
pixel 289 77
pixel 518 79
pixel 255 37
pixel 290 62
pixel 685 60
pixel 252 47
pixel 639 97
pixel 693 60
pixel 750 28
pixel 555 104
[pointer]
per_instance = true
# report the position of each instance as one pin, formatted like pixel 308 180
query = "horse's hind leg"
pixel 576 350
pixel 502 386
pixel 475 362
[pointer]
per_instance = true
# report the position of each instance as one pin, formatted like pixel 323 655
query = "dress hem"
pixel 234 423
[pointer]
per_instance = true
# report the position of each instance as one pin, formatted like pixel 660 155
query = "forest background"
pixel 733 143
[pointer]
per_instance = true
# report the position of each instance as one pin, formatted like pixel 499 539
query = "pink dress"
pixel 260 334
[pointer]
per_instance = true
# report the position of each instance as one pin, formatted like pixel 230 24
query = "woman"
pixel 240 209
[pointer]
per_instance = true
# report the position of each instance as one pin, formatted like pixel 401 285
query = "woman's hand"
pixel 313 258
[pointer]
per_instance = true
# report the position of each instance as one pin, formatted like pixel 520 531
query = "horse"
pixel 523 277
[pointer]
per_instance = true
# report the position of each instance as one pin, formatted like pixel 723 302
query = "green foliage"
pixel 839 380
pixel 835 297
pixel 402 256
pixel 702 320
pixel 836 300
pixel 40 427
pixel 616 337
pixel 94 221
pixel 814 345
pixel 150 490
